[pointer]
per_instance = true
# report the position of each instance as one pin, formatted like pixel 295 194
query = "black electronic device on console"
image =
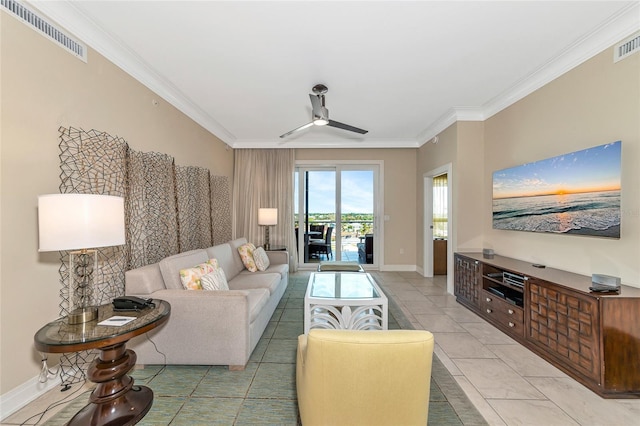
pixel 131 303
pixel 604 284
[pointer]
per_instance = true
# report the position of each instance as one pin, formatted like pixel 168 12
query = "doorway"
pixel 438 219
pixel 336 214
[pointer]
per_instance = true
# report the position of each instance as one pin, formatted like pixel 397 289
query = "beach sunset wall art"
pixel 576 193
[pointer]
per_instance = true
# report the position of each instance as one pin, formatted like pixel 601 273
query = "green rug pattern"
pixel 264 393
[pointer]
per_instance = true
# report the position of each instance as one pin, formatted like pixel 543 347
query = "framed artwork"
pixel 575 193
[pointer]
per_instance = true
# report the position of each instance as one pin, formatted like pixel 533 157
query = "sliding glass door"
pixel 336 213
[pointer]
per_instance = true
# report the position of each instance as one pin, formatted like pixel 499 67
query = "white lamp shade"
pixel 267 216
pixel 80 221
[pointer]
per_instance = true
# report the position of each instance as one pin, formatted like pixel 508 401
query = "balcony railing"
pixel 352 234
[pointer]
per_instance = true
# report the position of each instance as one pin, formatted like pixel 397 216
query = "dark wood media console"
pixel 593 337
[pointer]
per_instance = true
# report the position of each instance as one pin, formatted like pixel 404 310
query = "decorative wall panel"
pixel 194 207
pixel 168 209
pixel 92 162
pixel 220 209
pixel 152 221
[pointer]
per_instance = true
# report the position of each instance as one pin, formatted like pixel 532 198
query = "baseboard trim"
pixel 399 268
pixel 23 394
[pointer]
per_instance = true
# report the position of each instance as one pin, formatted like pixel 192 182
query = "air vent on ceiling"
pixel 44 26
pixel 626 48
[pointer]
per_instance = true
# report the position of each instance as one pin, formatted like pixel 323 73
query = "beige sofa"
pixel 208 327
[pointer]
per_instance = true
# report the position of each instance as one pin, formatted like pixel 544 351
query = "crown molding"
pixel 447 119
pixel 616 28
pixel 71 17
pixel 324 143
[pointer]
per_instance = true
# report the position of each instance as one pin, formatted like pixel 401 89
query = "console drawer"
pixel 503 313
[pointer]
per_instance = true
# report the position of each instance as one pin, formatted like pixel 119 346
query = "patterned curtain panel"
pixel 152 219
pixel 194 207
pixel 220 209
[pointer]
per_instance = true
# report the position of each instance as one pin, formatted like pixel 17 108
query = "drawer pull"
pixel 511 324
pixel 510 311
pixel 489 311
pixel 488 299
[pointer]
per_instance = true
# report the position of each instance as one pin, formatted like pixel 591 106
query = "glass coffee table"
pixel 344 300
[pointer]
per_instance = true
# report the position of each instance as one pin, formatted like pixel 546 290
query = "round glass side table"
pixel 115 400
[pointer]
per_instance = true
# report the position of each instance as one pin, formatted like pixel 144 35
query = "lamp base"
pixel 267 246
pixel 82 315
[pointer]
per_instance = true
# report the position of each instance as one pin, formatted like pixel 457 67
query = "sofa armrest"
pixel 278 257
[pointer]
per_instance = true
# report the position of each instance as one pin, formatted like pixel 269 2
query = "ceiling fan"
pixel 320 114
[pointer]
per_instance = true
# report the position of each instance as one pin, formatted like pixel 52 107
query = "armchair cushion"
pixel 347 377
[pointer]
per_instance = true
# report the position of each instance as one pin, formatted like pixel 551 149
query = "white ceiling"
pixel 403 70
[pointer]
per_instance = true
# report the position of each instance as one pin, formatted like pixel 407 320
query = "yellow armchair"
pixel 346 377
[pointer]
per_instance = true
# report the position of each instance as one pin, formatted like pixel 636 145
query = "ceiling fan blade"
pixel 297 129
pixel 343 126
pixel 316 104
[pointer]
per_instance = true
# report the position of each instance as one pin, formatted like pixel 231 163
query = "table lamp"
pixel 78 222
pixel 267 217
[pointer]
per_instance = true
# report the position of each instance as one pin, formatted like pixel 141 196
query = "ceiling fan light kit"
pixel 320 114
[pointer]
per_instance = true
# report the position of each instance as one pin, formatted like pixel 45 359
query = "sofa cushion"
pixel 247 280
pixel 170 267
pixel 215 280
pixel 226 259
pixel 235 244
pixel 258 299
pixel 246 254
pixel 261 259
pixel 276 268
pixel 191 278
pixel 144 280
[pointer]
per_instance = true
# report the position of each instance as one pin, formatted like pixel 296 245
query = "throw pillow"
pixel 246 254
pixel 261 259
pixel 215 280
pixel 191 277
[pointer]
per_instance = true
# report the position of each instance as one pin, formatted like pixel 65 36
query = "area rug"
pixel 264 393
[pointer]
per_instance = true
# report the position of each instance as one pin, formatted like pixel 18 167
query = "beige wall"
pixel 595 103
pixel 399 199
pixel 460 145
pixel 43 88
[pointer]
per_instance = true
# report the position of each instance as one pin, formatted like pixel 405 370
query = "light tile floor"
pixel 506 382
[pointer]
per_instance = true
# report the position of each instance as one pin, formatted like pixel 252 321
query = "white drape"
pixel 264 178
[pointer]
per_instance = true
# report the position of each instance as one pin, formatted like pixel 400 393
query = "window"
pixel 440 214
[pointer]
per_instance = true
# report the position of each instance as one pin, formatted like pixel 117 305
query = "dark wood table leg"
pixel 115 401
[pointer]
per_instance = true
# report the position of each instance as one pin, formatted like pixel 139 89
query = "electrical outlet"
pixel 401 251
